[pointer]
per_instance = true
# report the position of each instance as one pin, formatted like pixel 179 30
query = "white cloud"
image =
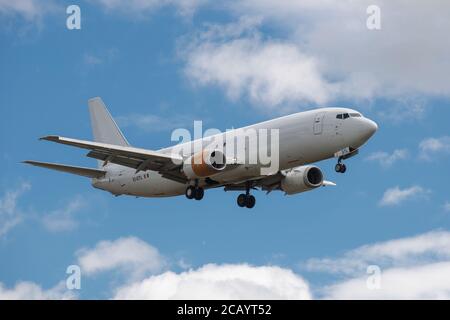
pixel 101 57
pixel 26 290
pixel 63 219
pixel 213 281
pixel 91 59
pixel 154 123
pixel 430 281
pixel 141 7
pixel 432 246
pixel 10 214
pixel 416 267
pixel 326 53
pixel 129 255
pixel 137 259
pixel 433 147
pixel 398 59
pixel 268 72
pixel 386 159
pixel 29 9
pixel 395 195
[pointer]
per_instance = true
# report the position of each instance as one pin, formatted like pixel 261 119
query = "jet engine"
pixel 204 164
pixel 301 179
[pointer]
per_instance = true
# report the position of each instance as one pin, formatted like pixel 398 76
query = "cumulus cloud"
pixel 63 219
pixel 430 281
pixel 238 281
pixel 326 53
pixel 431 148
pixel 26 290
pixel 28 9
pixel 137 259
pixel 183 7
pixel 432 246
pixel 10 214
pixel 395 196
pixel 267 72
pixel 154 123
pixel 336 32
pixel 411 268
pixel 415 267
pixel 386 159
pixel 129 255
pixel 101 57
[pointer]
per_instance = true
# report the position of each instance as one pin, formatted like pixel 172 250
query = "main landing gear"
pixel 246 199
pixel 340 167
pixel 195 192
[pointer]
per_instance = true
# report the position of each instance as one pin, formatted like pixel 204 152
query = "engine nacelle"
pixel 204 164
pixel 302 179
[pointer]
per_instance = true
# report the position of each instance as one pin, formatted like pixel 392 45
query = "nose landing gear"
pixel 340 167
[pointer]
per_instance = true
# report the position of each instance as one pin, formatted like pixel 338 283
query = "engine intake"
pixel 301 179
pixel 204 164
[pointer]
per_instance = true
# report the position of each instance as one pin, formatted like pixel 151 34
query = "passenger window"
pixel 346 115
pixel 339 116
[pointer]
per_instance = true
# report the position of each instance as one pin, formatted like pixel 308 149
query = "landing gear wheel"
pixel 242 200
pixel 340 167
pixel 250 203
pixel 199 192
pixel 190 192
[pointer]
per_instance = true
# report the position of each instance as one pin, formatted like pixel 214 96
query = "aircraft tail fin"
pixel 104 128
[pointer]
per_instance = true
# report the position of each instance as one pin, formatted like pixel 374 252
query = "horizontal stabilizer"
pixel 81 171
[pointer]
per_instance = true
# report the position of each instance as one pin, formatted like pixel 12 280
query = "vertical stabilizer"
pixel 104 128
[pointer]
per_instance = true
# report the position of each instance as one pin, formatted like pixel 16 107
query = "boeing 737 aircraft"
pixel 302 139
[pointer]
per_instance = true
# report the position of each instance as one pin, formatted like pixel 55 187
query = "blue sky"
pixel 159 66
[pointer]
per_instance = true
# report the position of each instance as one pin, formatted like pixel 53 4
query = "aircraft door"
pixel 318 123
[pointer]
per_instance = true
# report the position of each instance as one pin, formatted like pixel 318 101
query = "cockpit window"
pixel 348 115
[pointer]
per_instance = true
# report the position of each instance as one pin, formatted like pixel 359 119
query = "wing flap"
pixel 81 171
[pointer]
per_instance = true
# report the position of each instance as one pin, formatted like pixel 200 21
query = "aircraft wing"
pixel 137 158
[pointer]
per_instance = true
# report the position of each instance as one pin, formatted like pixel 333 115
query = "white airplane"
pixel 304 138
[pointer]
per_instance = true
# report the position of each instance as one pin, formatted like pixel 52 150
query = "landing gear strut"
pixel 195 192
pixel 246 199
pixel 340 167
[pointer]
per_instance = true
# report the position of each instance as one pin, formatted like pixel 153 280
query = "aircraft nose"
pixel 369 128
